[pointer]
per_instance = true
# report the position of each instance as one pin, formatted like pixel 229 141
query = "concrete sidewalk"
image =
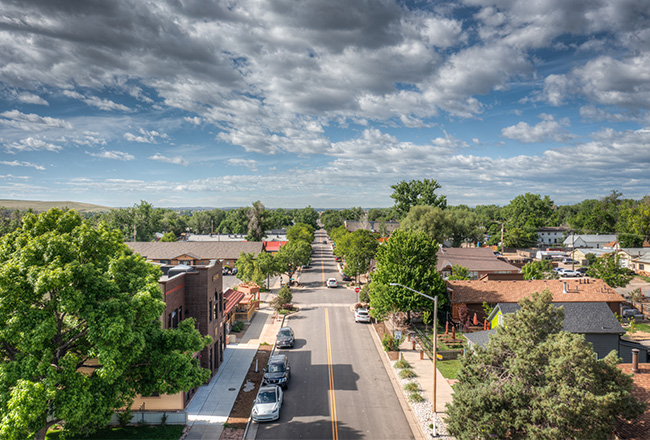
pixel 211 406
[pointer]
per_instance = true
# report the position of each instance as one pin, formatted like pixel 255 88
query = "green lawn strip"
pixel 639 327
pixel 167 432
pixel 449 369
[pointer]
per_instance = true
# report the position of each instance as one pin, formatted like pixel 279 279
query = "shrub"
pixel 238 326
pixel 364 294
pixel 389 343
pixel 411 387
pixel 402 363
pixel 124 417
pixel 416 397
pixel 406 373
pixel 285 294
pixel 163 419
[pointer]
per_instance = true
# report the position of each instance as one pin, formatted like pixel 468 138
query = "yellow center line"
pixel 322 263
pixel 330 370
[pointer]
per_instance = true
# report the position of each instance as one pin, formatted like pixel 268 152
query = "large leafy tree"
pixel 306 215
pixel 301 232
pixel 534 381
pixel 416 192
pixel 608 269
pixel 538 270
pixel 292 255
pixel 331 219
pixel 80 330
pixel 530 211
pixel 457 224
pixel 408 258
pixel 359 249
pixel 256 222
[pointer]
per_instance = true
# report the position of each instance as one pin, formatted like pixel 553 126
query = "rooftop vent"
pixel 564 289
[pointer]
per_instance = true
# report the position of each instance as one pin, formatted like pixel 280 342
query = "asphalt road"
pixel 339 388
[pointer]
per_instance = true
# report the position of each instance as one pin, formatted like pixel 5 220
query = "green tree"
pixel 455 224
pixel 234 222
pixel 381 214
pixel 256 222
pixel 301 232
pixel 416 192
pixel 359 249
pixel 608 269
pixel 292 255
pixel 354 214
pixel 338 234
pixel 529 212
pixel 408 258
pixel 168 237
pixel 538 270
pixel 308 216
pixel 81 331
pixel 331 219
pixel 279 218
pixel 635 221
pixel 534 381
pixel 459 272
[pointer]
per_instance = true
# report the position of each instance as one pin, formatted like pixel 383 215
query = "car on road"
pixel 582 270
pixel 331 282
pixel 324 241
pixel 344 277
pixel 284 338
pixel 361 315
pixel 277 371
pixel 567 260
pixel 267 404
pixel 570 273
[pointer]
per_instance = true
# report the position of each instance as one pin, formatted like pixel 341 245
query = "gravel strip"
pixel 424 411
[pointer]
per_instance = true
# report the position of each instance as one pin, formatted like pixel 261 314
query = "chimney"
pixel 635 360
pixel 564 290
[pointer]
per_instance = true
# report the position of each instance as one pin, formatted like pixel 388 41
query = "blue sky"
pixel 322 103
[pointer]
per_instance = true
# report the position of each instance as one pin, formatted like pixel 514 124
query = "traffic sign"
pixel 356 290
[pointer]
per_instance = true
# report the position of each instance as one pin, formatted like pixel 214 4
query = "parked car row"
pixel 277 374
pixel 564 272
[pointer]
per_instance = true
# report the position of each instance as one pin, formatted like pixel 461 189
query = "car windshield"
pixel 276 368
pixel 362 312
pixel 284 333
pixel 266 397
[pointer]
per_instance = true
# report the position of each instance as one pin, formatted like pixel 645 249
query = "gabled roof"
pixel 591 238
pixel 585 317
pixel 273 246
pixel 230 250
pixel 480 338
pixel 474 259
pixel 231 298
pixel 492 292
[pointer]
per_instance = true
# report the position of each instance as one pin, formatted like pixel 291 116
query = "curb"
pixel 406 407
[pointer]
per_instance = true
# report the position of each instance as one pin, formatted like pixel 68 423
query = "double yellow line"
pixel 330 371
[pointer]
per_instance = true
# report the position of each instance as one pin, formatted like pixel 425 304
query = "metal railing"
pixel 424 341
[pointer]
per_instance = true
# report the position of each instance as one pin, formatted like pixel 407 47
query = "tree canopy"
pixel 534 381
pixel 538 270
pixel 80 328
pixel 607 267
pixel 359 248
pixel 416 192
pixel 408 258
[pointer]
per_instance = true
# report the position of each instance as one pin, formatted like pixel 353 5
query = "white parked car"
pixel 570 273
pixel 361 315
pixel 331 282
pixel 267 404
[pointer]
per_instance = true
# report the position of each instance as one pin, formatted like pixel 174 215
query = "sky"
pixel 322 102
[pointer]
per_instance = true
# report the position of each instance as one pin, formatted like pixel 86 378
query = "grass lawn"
pixel 640 327
pixel 449 369
pixel 168 432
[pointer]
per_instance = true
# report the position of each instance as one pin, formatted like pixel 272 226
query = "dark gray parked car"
pixel 277 371
pixel 284 338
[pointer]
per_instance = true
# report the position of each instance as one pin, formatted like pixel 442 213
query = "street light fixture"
pixel 435 345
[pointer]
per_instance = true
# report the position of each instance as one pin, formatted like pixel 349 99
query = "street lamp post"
pixel 435 346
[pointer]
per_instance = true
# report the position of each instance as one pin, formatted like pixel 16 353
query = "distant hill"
pixel 39 206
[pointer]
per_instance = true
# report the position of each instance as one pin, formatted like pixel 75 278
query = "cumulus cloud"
pixel 31 121
pixel 30 98
pixel 32 144
pixel 147 137
pixel 116 155
pixel 20 163
pixel 547 130
pixel 102 104
pixel 246 163
pixel 176 160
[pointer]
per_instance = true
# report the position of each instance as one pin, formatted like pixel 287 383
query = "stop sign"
pixel 356 290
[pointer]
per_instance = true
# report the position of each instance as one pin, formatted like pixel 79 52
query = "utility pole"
pixel 502 225
pixel 573 251
pixel 134 233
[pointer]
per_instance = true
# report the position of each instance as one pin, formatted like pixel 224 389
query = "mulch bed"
pixel 392 355
pixel 241 410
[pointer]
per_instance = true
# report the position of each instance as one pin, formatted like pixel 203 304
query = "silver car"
pixel 267 404
pixel 361 315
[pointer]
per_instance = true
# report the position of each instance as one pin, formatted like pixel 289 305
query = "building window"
pixel 210 312
pixel 641 267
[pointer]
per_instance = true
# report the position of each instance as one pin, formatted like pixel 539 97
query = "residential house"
pixel 273 247
pixel 638 429
pixel 551 236
pixel 594 320
pixel 641 265
pixel 195 253
pixel 192 292
pixel 580 255
pixel 479 262
pixel 628 256
pixel 595 241
pixel 474 293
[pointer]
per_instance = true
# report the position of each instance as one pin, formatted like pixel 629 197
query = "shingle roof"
pixel 230 250
pixel 474 259
pixel 480 338
pixel 585 317
pixel 638 429
pixel 231 298
pixel 477 291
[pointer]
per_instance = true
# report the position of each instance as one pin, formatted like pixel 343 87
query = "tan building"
pixel 479 262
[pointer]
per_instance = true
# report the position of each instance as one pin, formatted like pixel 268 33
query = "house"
pixel 594 320
pixel 595 241
pixel 479 262
pixel 195 253
pixel 272 247
pixel 374 226
pixel 192 292
pixel 580 255
pixel 473 293
pixel 641 265
pixel 550 236
pixel 638 429
pixel 627 256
